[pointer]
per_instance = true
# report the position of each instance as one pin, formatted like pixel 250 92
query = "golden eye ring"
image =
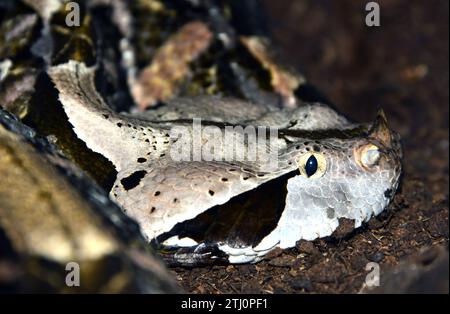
pixel 312 165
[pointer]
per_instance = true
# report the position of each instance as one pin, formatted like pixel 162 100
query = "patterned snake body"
pixel 328 168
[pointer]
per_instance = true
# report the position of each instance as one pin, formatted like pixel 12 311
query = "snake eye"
pixel 312 165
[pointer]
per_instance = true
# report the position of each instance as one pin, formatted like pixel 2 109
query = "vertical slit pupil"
pixel 311 166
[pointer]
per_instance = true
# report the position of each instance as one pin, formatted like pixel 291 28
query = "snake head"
pixel 354 178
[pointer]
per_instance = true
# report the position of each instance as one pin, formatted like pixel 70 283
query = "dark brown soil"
pixel 401 66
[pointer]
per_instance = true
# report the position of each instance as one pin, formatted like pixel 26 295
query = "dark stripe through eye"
pixel 311 166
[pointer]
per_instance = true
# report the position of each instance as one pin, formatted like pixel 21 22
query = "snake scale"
pixel 219 209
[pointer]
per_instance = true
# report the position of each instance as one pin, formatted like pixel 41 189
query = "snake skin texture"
pixel 358 167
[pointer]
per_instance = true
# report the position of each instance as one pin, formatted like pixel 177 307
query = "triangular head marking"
pixel 121 139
